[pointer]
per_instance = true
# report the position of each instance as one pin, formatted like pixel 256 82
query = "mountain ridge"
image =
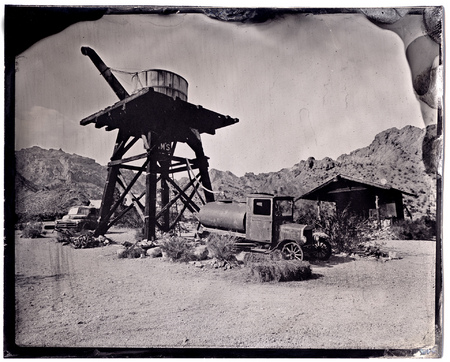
pixel 50 181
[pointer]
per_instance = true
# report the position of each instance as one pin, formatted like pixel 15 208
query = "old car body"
pixel 79 218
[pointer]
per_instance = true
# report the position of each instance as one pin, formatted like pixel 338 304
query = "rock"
pixel 201 252
pixel 154 252
pixel 121 253
pixel 241 256
pixel 135 252
pixel 393 255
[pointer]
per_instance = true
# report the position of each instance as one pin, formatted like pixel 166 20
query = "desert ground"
pixel 69 297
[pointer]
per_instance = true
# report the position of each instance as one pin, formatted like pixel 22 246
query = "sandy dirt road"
pixel 89 298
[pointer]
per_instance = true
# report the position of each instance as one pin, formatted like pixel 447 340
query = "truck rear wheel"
pixel 292 251
pixel 322 250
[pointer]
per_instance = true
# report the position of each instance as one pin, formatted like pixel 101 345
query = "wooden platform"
pixel 150 111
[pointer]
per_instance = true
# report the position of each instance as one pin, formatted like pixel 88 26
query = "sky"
pixel 302 86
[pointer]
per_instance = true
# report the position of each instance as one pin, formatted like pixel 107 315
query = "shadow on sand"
pixel 334 260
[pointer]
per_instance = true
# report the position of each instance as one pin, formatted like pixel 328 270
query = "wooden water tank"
pixel 162 81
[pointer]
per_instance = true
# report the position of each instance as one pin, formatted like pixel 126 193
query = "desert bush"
pixel 221 247
pixel 177 248
pixel 420 229
pixel 32 230
pixel 254 257
pixel 63 236
pixel 343 228
pixel 279 271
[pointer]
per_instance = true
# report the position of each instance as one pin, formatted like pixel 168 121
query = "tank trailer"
pixel 265 223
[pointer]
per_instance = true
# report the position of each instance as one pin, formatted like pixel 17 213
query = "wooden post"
pixel 377 207
pixel 150 191
pixel 319 217
pixel 165 196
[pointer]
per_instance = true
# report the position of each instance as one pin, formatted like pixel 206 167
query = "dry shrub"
pixel 63 236
pixel 177 248
pixel 279 271
pixel 253 257
pixel 343 228
pixel 420 229
pixel 32 230
pixel 222 247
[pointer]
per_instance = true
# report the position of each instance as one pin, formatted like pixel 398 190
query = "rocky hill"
pixel 50 181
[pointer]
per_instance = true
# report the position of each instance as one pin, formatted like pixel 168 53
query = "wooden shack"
pixel 367 199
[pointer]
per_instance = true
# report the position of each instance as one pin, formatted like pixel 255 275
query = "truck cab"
pixel 265 214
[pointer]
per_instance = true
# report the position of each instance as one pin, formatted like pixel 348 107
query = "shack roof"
pixel 342 183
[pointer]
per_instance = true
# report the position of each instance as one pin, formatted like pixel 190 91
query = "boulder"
pixel 201 252
pixel 154 252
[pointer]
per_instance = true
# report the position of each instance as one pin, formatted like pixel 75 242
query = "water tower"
pixel 158 114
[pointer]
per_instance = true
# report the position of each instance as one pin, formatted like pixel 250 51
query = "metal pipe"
pixel 105 71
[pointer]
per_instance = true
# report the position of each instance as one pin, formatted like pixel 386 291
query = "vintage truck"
pixel 265 223
pixel 79 218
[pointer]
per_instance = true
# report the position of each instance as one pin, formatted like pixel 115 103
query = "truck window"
pixel 283 208
pixel 262 207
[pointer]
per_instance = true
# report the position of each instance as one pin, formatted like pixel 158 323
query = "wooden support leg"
pixel 110 186
pixel 165 195
pixel 194 141
pixel 150 194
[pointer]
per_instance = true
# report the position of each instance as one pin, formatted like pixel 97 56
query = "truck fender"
pixel 282 242
pixel 320 235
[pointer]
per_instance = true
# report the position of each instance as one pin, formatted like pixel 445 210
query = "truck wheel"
pixel 292 251
pixel 322 250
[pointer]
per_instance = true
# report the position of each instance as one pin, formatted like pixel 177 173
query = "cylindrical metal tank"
pixel 224 215
pixel 162 81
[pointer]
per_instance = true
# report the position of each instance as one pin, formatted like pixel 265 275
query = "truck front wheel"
pixel 292 251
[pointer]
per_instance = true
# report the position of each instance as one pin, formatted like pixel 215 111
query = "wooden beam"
pixel 171 202
pixel 338 191
pixel 192 206
pixel 134 200
pixel 118 217
pixel 128 159
pixel 122 197
pixel 181 212
pixel 129 167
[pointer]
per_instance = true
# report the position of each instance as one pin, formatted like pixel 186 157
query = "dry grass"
pixel 276 269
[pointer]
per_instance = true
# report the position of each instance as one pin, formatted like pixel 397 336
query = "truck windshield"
pixel 78 211
pixel 283 208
